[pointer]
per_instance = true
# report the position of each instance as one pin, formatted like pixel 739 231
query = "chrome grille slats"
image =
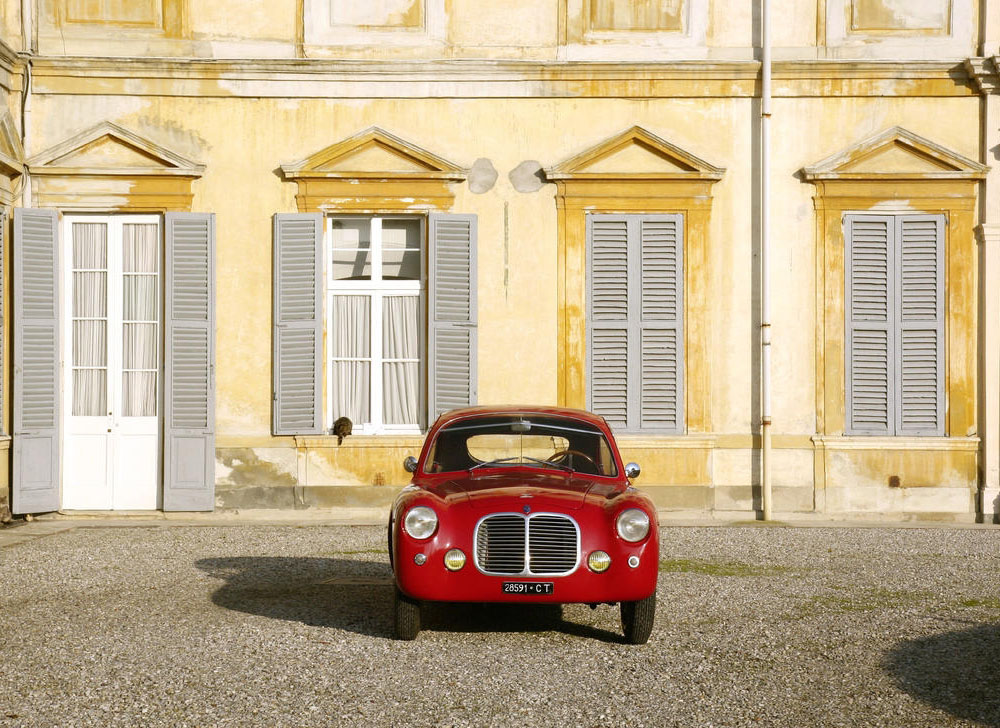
pixel 500 544
pixel 515 545
pixel 552 544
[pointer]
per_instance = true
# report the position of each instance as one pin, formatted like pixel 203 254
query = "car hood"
pixel 513 491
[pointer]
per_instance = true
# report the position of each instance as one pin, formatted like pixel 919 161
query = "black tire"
pixel 637 619
pixel 406 616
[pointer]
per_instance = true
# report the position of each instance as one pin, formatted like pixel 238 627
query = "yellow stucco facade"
pixel 532 116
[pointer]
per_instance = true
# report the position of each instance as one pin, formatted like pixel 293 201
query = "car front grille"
pixel 539 544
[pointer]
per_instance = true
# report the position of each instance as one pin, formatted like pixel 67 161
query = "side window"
pixel 375 323
pixel 895 324
pixel 635 332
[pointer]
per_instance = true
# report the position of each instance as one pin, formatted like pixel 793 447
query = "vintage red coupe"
pixel 523 504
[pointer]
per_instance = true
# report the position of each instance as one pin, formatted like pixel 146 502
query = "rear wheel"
pixel 637 619
pixel 406 616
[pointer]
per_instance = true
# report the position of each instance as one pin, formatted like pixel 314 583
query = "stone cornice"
pixel 984 73
pixel 434 78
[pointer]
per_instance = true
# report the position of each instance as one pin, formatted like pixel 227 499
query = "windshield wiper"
pixel 522 458
pixel 493 462
pixel 549 463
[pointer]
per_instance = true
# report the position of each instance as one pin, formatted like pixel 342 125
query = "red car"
pixel 528 505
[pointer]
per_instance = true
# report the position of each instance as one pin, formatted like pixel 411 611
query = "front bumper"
pixel 431 581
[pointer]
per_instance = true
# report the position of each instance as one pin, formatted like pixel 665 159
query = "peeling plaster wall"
pixel 504 125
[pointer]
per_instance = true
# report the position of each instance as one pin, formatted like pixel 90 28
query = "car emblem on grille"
pixel 527 509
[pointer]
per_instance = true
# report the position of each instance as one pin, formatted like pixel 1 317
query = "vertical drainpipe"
pixel 765 278
pixel 28 45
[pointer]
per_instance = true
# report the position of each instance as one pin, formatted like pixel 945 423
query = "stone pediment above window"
pixel 635 154
pixel 110 168
pixel 895 154
pixel 11 152
pixel 373 171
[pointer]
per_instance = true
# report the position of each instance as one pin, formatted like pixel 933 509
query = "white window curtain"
pixel 90 319
pixel 401 359
pixel 140 334
pixel 351 357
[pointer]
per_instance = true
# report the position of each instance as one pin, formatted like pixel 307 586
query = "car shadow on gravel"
pixel 356 595
pixel 958 672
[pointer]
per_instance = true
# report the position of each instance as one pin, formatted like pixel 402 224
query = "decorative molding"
pixel 54 160
pixel 685 165
pixel 112 169
pixel 373 171
pixel 936 444
pixel 944 163
pixel 319 78
pixel 985 72
pixel 425 164
pixel 11 152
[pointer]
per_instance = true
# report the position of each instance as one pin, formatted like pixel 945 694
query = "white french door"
pixel 112 362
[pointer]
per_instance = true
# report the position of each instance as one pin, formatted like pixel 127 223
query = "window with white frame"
pixel 375 322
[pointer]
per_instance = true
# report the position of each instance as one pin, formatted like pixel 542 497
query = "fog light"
pixel 454 560
pixel 598 561
pixel 633 561
pixel 419 559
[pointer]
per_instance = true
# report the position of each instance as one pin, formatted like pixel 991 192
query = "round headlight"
pixel 633 525
pixel 420 522
pixel 454 560
pixel 598 561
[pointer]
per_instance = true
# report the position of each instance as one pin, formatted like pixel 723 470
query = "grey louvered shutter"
pixel 608 317
pixel 452 318
pixel 189 363
pixel 297 365
pixel 635 313
pixel 661 384
pixel 36 472
pixel 870 341
pixel 920 337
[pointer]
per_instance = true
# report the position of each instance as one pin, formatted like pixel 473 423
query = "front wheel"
pixel 637 619
pixel 406 616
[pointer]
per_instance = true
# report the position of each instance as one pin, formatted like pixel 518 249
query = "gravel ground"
pixel 289 626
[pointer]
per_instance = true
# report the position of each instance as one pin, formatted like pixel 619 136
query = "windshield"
pixel 516 440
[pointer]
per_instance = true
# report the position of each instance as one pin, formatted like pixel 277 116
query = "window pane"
pixel 90 343
pixel 140 298
pixel 351 327
pixel 351 255
pixel 139 248
pixel 139 346
pixel 90 392
pixel 351 391
pixel 400 327
pixel 400 392
pixel 139 394
pixel 401 249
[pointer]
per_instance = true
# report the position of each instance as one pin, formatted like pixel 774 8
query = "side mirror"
pixel 410 464
pixel 632 471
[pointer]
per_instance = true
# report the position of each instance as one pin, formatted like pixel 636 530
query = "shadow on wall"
pixel 958 672
pixel 356 595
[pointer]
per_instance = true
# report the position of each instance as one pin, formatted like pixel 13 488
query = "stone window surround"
pixel 948 193
pixel 686 192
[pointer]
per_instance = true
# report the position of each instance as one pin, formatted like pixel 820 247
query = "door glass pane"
pixel 89 324
pixel 401 249
pixel 351 351
pixel 401 363
pixel 351 254
pixel 140 319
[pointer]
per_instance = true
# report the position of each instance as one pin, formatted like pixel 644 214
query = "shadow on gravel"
pixel 958 672
pixel 357 596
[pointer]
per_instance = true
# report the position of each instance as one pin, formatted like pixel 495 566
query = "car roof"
pixel 549 411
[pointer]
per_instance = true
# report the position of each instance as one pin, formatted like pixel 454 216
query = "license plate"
pixel 528 587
